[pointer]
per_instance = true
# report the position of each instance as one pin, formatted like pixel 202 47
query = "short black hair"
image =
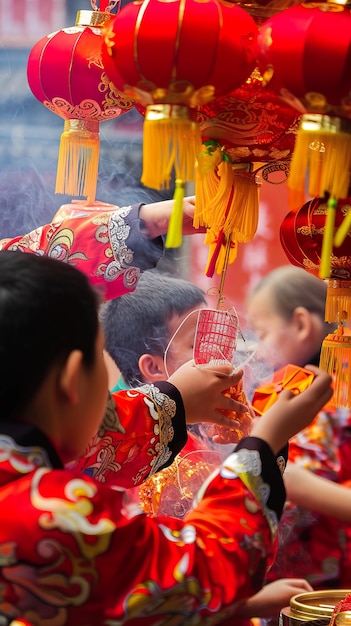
pixel 47 309
pixel 137 322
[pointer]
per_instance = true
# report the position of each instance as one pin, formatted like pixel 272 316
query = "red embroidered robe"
pixel 74 552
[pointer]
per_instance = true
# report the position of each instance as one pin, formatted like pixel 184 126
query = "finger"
pixel 321 386
pixel 190 199
pixel 222 420
pixel 222 370
pixel 225 420
pixel 286 394
pixel 234 406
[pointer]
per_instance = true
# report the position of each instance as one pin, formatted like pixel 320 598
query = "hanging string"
pixel 224 272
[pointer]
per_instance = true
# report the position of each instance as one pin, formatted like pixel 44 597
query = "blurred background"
pixel 29 142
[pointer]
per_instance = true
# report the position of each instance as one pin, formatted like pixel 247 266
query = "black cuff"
pixel 270 472
pixel 178 421
pixel 146 252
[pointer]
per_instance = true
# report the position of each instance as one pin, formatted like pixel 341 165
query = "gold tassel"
pixel 242 219
pixel 78 159
pixel 206 182
pixel 227 197
pixel 336 360
pixel 338 301
pixel 174 233
pixel 223 251
pixel 323 148
pixel 171 140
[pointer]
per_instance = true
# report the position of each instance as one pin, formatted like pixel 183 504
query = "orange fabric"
pixel 292 377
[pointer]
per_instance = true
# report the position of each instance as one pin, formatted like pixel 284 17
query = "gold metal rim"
pixel 316 603
pixel 318 122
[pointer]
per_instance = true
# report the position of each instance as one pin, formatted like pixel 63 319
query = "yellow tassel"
pixel 174 233
pixel 206 182
pixel 338 301
pixel 336 360
pixel 343 230
pixel 323 149
pixel 171 141
pixel 78 160
pixel 242 218
pixel 227 197
pixel 328 236
pixel 222 252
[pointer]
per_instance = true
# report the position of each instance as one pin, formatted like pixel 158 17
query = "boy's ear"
pixel 303 322
pixel 70 376
pixel 152 368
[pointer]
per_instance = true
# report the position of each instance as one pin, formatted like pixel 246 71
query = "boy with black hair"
pixel 71 551
pixel 139 326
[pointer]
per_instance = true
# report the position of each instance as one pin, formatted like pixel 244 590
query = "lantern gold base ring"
pixel 323 148
pixel 93 19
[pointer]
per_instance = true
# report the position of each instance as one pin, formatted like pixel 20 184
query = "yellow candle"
pixel 327 245
pixel 343 229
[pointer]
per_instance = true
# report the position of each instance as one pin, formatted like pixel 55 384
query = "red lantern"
pixel 65 72
pixel 171 56
pixel 241 131
pixel 302 234
pixel 251 122
pixel 305 53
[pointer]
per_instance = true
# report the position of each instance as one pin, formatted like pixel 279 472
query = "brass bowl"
pixel 315 606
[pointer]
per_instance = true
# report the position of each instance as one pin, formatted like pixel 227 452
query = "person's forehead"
pixel 185 323
pixel 260 303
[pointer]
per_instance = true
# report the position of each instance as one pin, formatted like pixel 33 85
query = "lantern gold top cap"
pixel 95 19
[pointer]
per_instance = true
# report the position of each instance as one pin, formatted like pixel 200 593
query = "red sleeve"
pixel 92 558
pixel 106 244
pixel 147 569
pixel 155 431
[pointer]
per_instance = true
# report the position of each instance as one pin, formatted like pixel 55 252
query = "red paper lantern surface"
pixel 179 52
pixel 301 235
pixel 171 56
pixel 305 53
pixel 252 123
pixel 65 72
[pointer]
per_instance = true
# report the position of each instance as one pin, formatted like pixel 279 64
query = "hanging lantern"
pixel 302 235
pixel 65 72
pixel 171 56
pixel 242 132
pixel 304 53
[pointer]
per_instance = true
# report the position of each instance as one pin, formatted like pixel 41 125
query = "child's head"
pixel 51 341
pixel 139 325
pixel 286 311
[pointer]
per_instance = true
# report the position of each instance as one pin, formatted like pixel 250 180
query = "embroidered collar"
pixel 28 437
